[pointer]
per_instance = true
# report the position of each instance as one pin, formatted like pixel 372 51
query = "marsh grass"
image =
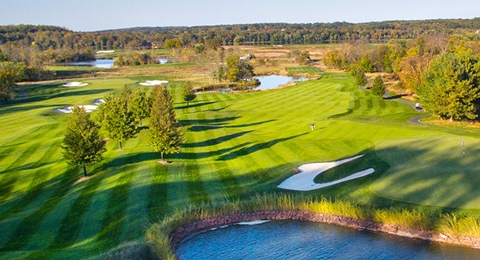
pixel 460 225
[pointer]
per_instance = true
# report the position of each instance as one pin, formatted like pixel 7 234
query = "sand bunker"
pixel 153 82
pixel 67 110
pixel 75 84
pixel 98 102
pixel 303 181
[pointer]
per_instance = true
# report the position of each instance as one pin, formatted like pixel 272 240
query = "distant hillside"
pixel 51 37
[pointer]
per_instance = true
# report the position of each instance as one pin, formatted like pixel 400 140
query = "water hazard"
pixel 307 240
pixel 274 81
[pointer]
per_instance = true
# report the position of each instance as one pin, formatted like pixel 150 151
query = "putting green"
pixel 431 171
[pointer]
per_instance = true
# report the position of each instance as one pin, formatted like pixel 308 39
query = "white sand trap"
pixel 98 101
pixel 303 181
pixel 67 110
pixel 75 84
pixel 153 82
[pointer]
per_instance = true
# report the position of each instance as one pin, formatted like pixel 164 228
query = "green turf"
pixel 237 145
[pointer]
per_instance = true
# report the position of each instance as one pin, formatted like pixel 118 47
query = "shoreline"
pixel 182 232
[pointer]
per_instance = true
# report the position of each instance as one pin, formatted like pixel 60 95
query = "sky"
pixel 95 15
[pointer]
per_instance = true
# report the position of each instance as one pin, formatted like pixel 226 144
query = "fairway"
pixel 237 145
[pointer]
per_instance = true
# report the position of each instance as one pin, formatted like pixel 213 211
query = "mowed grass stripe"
pixel 110 200
pixel 18 235
pixel 35 186
pixel 10 175
pixel 196 191
pixel 70 224
pixel 158 200
pixel 137 211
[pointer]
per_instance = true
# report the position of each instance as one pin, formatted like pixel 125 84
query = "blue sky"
pixel 92 15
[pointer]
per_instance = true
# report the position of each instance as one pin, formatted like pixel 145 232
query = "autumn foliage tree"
pixel 451 86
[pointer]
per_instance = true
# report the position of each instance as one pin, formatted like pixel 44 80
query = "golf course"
pixel 237 145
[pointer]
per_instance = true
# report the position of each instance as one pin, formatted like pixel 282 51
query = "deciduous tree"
pixel 82 144
pixel 139 104
pixel 118 121
pixel 378 88
pixel 9 74
pixel 187 93
pixel 451 86
pixel 165 133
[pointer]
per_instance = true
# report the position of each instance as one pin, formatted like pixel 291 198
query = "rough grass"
pixel 238 145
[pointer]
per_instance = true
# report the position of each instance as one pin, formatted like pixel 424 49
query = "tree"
pixel 9 74
pixel 164 131
pixel 118 121
pixel 237 69
pixel 359 74
pixel 412 70
pixel 451 86
pixel 139 104
pixel 82 145
pixel 378 88
pixel 172 44
pixel 188 93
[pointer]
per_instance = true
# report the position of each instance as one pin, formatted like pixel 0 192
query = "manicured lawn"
pixel 237 145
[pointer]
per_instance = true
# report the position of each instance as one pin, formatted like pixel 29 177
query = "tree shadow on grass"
pixel 206 122
pixel 255 148
pixel 131 159
pixel 216 141
pixel 196 105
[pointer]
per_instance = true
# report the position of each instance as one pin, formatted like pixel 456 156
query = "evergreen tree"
pixel 164 131
pixel 188 93
pixel 82 145
pixel 451 86
pixel 126 93
pixel 117 120
pixel 378 87
pixel 139 104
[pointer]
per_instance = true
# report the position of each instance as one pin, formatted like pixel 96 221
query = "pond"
pixel 99 63
pixel 308 240
pixel 275 81
pixel 166 60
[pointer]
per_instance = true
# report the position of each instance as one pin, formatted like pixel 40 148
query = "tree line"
pixel 51 37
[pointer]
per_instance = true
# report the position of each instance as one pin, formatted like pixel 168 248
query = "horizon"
pixel 123 14
pixel 235 24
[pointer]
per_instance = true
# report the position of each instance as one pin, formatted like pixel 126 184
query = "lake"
pixel 275 81
pixel 308 240
pixel 100 63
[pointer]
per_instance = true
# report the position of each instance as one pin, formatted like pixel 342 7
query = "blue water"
pixel 307 240
pixel 274 81
pixel 100 63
